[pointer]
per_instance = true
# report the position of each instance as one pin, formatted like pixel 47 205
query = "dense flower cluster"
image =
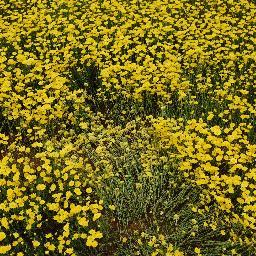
pixel 114 113
pixel 221 160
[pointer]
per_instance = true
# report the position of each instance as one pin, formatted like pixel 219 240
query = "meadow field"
pixel 127 127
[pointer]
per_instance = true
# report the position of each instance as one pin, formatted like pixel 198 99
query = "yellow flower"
pixel 4 222
pixel 210 117
pixel 112 207
pixel 77 191
pixel 178 253
pixel 36 243
pixel 170 248
pixel 91 242
pixel 194 209
pixel 223 232
pixel 219 158
pixel 40 187
pixel 83 222
pixel 89 190
pixel 51 247
pixel 95 234
pixel 4 249
pixel 69 251
pixel 197 250
pixel 83 125
pixel 124 239
pixel 2 236
pixel 216 130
